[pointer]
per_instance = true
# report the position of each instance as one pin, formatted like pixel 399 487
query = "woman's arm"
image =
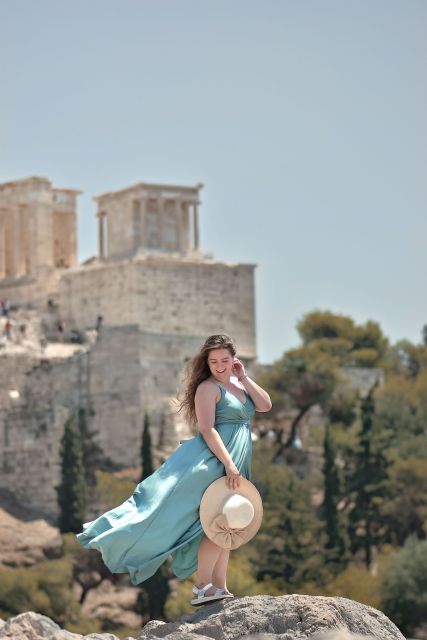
pixel 259 396
pixel 205 400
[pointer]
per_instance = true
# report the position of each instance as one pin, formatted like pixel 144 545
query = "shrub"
pixel 404 586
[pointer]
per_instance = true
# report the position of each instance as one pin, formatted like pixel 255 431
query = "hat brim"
pixel 213 500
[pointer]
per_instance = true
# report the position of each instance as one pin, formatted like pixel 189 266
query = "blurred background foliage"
pixel 345 498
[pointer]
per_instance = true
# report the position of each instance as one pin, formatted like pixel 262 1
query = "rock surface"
pixel 34 626
pixel 293 617
pixel 23 544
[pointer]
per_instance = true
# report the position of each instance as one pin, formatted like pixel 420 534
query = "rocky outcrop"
pixel 23 544
pixel 293 617
pixel 34 626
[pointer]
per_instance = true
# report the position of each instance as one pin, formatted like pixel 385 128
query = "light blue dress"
pixel 161 518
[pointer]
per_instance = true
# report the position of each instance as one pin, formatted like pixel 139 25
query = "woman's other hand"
pixel 233 476
pixel 238 368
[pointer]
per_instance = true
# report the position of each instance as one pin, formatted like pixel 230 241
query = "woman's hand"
pixel 238 368
pixel 233 476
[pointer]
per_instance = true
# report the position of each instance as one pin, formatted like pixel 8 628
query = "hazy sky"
pixel 305 120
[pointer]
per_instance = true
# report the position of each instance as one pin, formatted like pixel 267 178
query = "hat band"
pixel 224 536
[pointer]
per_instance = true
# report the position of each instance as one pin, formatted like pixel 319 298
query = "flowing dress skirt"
pixel 161 518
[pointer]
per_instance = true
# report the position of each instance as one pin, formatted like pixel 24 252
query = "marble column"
pixel 16 242
pixel 179 225
pixel 33 240
pixel 101 234
pixel 72 237
pixel 24 266
pixel 143 223
pixel 43 223
pixel 196 227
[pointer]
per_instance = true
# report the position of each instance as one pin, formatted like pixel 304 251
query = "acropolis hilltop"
pixel 112 333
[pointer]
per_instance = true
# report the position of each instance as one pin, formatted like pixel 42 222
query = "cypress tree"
pixel 336 535
pixel 369 485
pixel 288 542
pixel 91 451
pixel 71 491
pixel 152 598
pixel 146 453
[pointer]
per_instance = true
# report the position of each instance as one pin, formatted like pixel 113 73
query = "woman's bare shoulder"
pixel 208 389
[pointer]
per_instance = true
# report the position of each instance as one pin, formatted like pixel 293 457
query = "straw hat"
pixel 231 517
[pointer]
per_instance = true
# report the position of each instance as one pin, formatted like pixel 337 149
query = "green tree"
pixel 71 491
pixel 406 510
pixel 409 358
pixel 47 588
pixel 337 543
pixel 401 412
pixel 404 587
pixel 341 406
pixel 368 484
pixel 92 453
pixel 154 593
pixel 146 453
pixel 288 545
pixel 354 345
pixel 302 378
pixel 325 324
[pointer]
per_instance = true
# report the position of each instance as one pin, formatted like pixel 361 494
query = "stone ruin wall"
pixel 125 374
pixel 13 372
pixel 163 310
pixel 158 307
pixel 31 291
pixel 30 432
pixel 166 297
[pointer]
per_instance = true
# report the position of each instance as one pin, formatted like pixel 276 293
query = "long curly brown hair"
pixel 197 370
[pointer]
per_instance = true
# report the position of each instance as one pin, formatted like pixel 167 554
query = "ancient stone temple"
pixel 148 218
pixel 151 273
pixel 141 308
pixel 38 237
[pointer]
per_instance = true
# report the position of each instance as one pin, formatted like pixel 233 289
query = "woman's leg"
pixel 219 573
pixel 207 558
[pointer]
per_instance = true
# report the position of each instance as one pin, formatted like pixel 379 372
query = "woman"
pixel 161 518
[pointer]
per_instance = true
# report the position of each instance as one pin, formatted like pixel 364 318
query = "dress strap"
pixel 221 389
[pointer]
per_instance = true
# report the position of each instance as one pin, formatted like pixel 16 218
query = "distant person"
pixel 75 336
pixel 99 321
pixel 8 330
pixel 61 328
pixel 43 343
pixel 20 334
pixel 6 308
pixel 162 517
